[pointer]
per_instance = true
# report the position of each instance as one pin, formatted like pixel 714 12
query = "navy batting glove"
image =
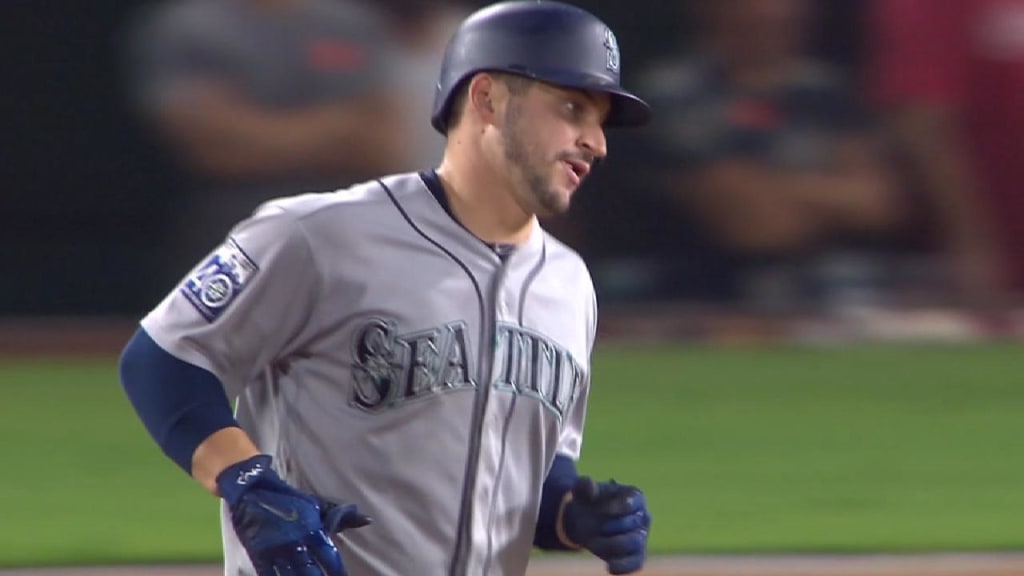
pixel 611 521
pixel 284 531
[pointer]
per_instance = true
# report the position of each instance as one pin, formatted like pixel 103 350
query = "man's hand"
pixel 611 521
pixel 283 530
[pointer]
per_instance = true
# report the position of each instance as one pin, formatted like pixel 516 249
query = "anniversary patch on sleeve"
pixel 214 285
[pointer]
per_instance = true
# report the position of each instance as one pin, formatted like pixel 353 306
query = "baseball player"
pixel 410 355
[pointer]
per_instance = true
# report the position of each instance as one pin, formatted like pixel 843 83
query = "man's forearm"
pixel 185 410
pixel 221 449
pixel 234 139
pixel 853 200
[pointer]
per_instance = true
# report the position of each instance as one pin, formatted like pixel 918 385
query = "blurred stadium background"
pixel 833 385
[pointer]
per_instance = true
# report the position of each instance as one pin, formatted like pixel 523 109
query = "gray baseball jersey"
pixel 387 357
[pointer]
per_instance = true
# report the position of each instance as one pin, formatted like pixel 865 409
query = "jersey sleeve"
pixel 250 302
pixel 916 52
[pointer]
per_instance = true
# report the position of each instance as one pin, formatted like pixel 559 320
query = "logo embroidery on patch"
pixel 217 282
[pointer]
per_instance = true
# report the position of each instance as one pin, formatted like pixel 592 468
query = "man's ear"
pixel 486 96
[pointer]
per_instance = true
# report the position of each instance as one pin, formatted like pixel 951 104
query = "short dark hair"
pixel 517 86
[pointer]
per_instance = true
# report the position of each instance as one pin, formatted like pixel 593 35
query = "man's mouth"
pixel 578 168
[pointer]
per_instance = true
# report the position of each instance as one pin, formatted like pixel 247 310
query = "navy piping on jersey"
pixel 563 472
pixel 433 183
pixel 527 283
pixel 473 457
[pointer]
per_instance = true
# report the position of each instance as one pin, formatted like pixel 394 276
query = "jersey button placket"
pixel 504 304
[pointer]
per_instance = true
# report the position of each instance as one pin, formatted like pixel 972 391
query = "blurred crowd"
pixel 773 178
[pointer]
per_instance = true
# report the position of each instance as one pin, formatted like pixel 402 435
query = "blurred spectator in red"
pixel 950 77
pixel 766 150
pixel 261 98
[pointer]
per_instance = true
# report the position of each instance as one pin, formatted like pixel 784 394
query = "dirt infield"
pixel 870 565
pixel 23 338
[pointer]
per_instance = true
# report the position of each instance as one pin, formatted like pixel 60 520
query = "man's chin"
pixel 555 207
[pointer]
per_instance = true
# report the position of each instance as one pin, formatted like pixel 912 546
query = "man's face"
pixel 550 138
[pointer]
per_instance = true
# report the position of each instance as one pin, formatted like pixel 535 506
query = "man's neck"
pixel 483 201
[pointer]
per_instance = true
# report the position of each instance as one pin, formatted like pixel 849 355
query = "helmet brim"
pixel 627 109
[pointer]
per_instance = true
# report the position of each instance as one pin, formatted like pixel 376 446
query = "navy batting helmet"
pixel 544 40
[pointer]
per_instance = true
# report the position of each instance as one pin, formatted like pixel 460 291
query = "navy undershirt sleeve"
pixel 560 480
pixel 179 403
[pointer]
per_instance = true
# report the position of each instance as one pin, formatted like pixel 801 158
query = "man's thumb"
pixel 337 517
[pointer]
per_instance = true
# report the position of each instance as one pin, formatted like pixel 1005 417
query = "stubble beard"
pixel 540 196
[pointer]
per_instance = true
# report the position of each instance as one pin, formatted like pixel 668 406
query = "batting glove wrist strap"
pixel 283 530
pixel 235 480
pixel 610 520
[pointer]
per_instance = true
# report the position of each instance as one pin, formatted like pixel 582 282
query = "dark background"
pixel 86 190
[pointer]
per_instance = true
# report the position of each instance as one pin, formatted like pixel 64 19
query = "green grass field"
pixel 770 450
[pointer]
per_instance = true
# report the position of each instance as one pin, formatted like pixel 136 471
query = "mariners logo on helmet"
pixel 613 50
